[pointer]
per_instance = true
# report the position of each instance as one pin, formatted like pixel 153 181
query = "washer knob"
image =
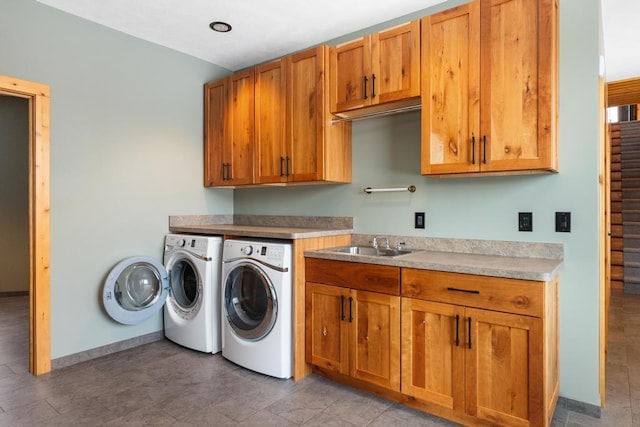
pixel 181 243
pixel 247 250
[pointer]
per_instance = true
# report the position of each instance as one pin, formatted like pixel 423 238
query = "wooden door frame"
pixel 39 218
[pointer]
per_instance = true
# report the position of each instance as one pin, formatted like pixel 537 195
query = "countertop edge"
pixel 551 268
pixel 287 233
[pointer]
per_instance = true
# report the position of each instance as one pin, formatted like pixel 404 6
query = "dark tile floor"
pixel 164 384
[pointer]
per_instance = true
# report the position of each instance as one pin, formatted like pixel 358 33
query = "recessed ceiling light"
pixel 221 27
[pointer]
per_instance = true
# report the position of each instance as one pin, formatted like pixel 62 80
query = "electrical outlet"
pixel 419 220
pixel 563 222
pixel 525 221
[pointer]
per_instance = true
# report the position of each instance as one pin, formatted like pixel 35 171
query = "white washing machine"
pixel 187 285
pixel 257 295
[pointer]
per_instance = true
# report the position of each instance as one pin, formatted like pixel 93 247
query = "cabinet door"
pixel 504 368
pixel 305 113
pixel 395 62
pixel 271 161
pixel 215 113
pixel 351 75
pixel 238 147
pixel 518 62
pixel 450 90
pixel 433 343
pixel 327 327
pixel 375 338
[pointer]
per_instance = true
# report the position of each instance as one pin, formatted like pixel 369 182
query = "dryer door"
pixel 135 289
pixel 249 302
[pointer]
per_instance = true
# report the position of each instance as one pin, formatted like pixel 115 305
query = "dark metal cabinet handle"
pixel 457 330
pixel 287 166
pixel 373 85
pixel 341 307
pixel 228 171
pixel 364 81
pixel 281 166
pixel 350 311
pixel 484 150
pixel 468 291
pixel 473 149
pixel 469 320
pixel 222 172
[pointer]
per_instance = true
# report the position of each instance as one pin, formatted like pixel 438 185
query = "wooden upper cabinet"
pixel 215 114
pixel 451 90
pixel 319 151
pixel 489 88
pixel 229 130
pixel 376 69
pixel 240 125
pixel 518 112
pixel 271 160
pixel 272 122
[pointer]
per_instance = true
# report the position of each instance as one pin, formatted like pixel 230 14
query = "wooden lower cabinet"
pixel 355 333
pixel 479 362
pixel 494 366
pixel 477 350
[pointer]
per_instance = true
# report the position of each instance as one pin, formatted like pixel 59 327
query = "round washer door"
pixel 135 289
pixel 250 302
pixel 185 297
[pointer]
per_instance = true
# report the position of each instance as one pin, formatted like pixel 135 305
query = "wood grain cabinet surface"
pixel 376 69
pixel 489 88
pixel 229 130
pixel 351 331
pixel 271 124
pixel 477 350
pixel 498 365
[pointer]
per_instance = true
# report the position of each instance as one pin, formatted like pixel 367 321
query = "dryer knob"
pixel 181 243
pixel 247 250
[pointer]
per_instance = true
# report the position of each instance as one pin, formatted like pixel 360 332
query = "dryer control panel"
pixel 274 253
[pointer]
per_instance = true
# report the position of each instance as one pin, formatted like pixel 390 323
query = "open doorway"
pixel 37 96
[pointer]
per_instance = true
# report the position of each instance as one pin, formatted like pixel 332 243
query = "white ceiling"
pixel 262 29
pixel 620 21
pixel 267 29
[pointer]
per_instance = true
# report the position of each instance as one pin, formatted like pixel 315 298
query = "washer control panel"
pixel 273 253
pixel 199 245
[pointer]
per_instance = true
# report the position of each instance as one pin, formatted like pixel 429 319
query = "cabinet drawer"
pixel 492 293
pixel 354 275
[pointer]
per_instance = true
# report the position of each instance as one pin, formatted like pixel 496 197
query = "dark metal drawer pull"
pixel 464 290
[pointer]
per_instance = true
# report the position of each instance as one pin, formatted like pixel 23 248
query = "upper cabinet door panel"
pixel 215 105
pixel 271 138
pixel 240 129
pixel 450 90
pixel 518 63
pixel 350 75
pixel 306 113
pixel 395 60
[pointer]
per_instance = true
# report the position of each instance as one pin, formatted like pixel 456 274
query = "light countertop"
pixel 537 269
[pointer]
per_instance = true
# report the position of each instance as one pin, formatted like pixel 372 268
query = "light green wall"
pixel 386 152
pixel 14 194
pixel 126 152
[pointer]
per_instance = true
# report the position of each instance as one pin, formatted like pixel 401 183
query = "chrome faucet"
pixel 376 245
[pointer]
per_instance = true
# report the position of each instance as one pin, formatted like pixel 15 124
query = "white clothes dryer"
pixel 257 295
pixel 187 286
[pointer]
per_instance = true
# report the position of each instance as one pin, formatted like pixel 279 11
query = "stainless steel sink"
pixel 370 251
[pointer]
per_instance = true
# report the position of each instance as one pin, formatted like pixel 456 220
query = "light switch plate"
pixel 419 220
